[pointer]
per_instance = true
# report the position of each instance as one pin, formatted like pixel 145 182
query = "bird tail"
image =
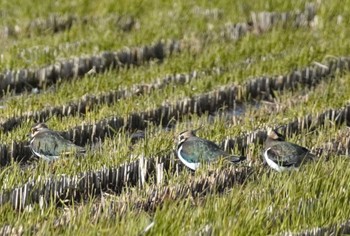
pixel 313 157
pixel 236 159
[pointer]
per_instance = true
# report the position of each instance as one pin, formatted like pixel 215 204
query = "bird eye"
pixel 181 137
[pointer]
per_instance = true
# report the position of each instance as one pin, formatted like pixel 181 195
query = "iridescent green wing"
pixel 196 150
pixel 287 154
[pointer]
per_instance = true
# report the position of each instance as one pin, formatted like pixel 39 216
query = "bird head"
pixel 274 135
pixel 183 136
pixel 38 128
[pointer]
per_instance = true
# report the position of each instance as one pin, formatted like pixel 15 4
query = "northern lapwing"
pixel 281 155
pixel 49 145
pixel 192 150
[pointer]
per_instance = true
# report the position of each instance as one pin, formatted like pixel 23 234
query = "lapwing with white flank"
pixel 192 150
pixel 281 155
pixel 49 145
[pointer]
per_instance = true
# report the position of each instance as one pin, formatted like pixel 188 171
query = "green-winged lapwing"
pixel 192 150
pixel 49 145
pixel 281 155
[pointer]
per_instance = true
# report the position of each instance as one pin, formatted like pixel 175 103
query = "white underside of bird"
pixel 274 165
pixel 192 166
pixel 46 158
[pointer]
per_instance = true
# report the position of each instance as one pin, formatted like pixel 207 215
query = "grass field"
pixel 99 71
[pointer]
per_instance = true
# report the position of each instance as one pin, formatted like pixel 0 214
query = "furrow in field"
pixel 217 181
pixel 138 173
pixel 56 23
pixel 261 22
pixel 90 101
pixel 262 87
pixel 25 79
pixel 196 187
pixel 209 102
